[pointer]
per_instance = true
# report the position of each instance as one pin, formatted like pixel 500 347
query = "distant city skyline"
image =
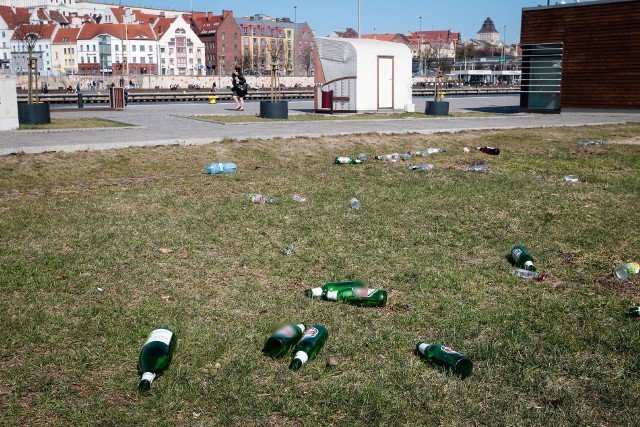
pixel 376 16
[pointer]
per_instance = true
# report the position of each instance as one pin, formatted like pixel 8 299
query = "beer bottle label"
pixel 287 331
pixel 516 253
pixel 312 332
pixel 633 268
pixel 365 293
pixel 161 335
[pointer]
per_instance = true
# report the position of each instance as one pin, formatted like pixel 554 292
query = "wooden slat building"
pixel 581 55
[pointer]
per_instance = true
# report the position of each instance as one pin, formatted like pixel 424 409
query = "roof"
pixel 139 16
pixel 119 31
pixel 207 24
pixel 396 37
pixel 162 24
pixel 45 30
pixel 70 34
pixel 13 16
pixel 488 27
pixel 576 4
pixel 58 17
pixel 427 36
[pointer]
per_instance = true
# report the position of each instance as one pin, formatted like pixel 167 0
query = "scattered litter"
pixel 165 297
pixel 263 167
pixel 627 271
pixel 425 153
pixel 165 250
pixel 344 160
pixel 299 198
pixel 572 178
pixel 634 312
pixel 289 250
pixel 522 258
pixel 489 150
pixel 260 198
pixel 423 167
pixel 590 142
pixel 466 149
pixel 354 203
pixel 282 341
pixel 196 415
pixel 477 168
pixel 394 157
pixel 526 274
pixel 222 167
pixel 309 345
pixel 440 355
pixel 217 365
pixel 100 289
pixel 363 156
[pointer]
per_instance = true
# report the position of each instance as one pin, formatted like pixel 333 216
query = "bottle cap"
pixel 146 380
pixel 313 292
pixel 422 347
pixel 302 327
pixel 301 356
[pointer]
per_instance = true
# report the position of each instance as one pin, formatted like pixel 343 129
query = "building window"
pixel 133 48
pixel 142 59
pixel 141 48
pixel 222 36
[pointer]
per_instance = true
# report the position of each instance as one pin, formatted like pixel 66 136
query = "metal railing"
pixel 193 95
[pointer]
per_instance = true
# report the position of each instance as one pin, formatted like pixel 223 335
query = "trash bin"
pixel 80 101
pixel 327 100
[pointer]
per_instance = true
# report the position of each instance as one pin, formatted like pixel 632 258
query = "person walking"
pixel 238 88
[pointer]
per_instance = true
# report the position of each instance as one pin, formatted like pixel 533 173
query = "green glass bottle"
pixel 342 160
pixel 444 356
pixel 634 312
pixel 522 258
pixel 309 345
pixel 334 286
pixel 283 340
pixel 155 356
pixel 362 297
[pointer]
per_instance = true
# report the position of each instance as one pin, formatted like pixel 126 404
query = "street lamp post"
pixel 420 47
pixel 504 48
pixel 295 27
pixel 358 18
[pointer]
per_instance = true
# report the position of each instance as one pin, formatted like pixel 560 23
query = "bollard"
pixel 80 101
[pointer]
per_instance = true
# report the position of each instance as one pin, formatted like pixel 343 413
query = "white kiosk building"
pixel 362 75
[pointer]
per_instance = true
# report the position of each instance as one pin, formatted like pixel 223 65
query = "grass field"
pixel 83 282
pixel 76 123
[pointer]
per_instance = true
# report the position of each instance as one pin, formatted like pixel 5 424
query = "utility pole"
pixel 358 18
pixel 504 48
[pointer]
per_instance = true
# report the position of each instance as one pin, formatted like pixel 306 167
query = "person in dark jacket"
pixel 238 88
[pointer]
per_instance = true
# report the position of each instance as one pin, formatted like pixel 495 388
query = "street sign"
pixel 501 59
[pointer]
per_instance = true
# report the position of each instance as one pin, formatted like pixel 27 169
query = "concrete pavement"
pixel 174 123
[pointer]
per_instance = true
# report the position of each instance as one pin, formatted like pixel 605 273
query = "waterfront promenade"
pixel 175 123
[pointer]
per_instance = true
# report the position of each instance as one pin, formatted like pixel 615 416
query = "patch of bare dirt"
pixel 634 140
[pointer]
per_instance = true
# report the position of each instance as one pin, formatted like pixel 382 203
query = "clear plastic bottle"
pixel 405 157
pixel 354 203
pixel 627 271
pixel 362 156
pixel 423 167
pixel 526 274
pixel 425 153
pixel 260 198
pixel 155 356
pixel 571 178
pixel 477 168
pixel 309 345
pixel 393 157
pixel 221 167
pixel 590 142
pixel 283 340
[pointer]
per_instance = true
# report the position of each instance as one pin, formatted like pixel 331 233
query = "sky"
pixel 376 16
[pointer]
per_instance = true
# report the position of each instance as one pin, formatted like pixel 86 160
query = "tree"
pixel 28 34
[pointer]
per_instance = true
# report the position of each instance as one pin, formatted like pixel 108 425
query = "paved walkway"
pixel 173 123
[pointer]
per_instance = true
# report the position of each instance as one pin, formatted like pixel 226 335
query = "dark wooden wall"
pixel 601 59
